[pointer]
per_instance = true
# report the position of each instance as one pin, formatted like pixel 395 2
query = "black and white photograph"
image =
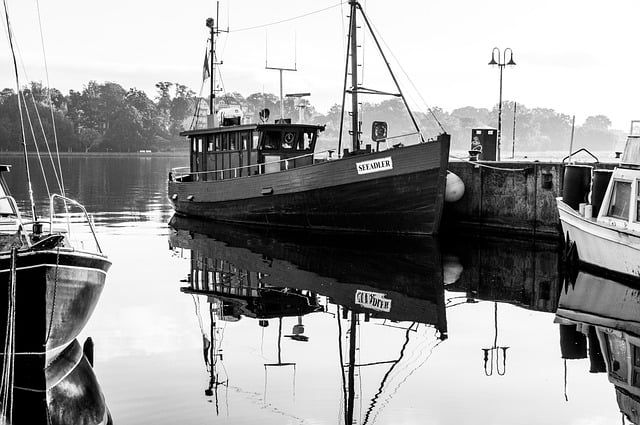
pixel 348 212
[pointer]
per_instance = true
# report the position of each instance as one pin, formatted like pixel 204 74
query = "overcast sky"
pixel 577 57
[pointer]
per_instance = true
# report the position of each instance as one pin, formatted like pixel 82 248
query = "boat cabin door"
pixel 198 158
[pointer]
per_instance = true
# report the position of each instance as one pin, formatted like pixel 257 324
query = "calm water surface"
pixel 217 324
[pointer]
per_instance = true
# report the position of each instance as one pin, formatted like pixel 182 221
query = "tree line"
pixel 105 117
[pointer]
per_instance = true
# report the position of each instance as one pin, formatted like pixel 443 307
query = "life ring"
pixel 288 138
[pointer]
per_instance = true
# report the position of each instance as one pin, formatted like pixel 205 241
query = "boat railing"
pixel 180 173
pixel 75 203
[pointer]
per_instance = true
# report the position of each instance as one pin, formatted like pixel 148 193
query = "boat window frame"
pixel 612 200
pixel 617 348
pixel 637 215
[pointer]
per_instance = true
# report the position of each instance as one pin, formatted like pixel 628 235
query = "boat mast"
pixel 24 140
pixel 353 39
pixel 215 31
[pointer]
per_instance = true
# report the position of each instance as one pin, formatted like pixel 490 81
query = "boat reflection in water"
pixel 62 390
pixel 599 318
pixel 368 285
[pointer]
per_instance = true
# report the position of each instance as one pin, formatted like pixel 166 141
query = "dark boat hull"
pixel 407 270
pixel 406 199
pixel 62 390
pixel 56 293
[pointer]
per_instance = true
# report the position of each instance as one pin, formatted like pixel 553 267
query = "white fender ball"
pixel 454 188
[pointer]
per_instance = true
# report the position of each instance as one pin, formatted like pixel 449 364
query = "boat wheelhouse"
pixel 234 151
pixel 605 232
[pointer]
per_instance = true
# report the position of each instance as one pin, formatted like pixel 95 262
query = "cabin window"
pixel 617 348
pixel 244 141
pixel 233 137
pixel 225 141
pixel 619 206
pixel 271 140
pixel 637 200
pixel 636 366
pixel 199 145
pixel 308 139
pixel 217 142
pixel 194 146
pixel 254 143
pixel 210 145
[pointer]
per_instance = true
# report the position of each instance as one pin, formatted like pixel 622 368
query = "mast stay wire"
pixel 53 121
pixel 39 119
pixel 35 142
pixel 287 19
pixel 17 81
pixel 408 78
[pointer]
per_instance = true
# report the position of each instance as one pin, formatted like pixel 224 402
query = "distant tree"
pixel 182 107
pixel 89 138
pixel 597 122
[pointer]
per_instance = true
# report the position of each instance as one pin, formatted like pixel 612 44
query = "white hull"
pixel 601 244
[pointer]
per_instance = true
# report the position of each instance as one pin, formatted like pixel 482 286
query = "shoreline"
pixel 106 154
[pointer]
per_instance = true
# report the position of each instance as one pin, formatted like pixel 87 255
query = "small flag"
pixel 205 69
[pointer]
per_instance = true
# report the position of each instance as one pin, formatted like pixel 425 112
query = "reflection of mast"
pixel 214 354
pixel 348 379
pixel 489 352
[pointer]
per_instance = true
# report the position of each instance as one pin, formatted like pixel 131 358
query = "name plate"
pixel 374 165
pixel 373 300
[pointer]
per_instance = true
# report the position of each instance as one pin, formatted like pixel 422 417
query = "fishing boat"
pixel 52 270
pixel 598 319
pixel 276 174
pixel 600 212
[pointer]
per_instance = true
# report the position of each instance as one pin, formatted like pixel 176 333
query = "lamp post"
pixel 501 62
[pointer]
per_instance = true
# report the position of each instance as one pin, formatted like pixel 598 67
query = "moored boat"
pixel 275 173
pixel 52 272
pixel 59 390
pixel 51 285
pixel 605 232
pixel 598 318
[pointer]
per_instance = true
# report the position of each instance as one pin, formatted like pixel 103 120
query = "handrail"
pixel 14 205
pixel 79 205
pixel 179 173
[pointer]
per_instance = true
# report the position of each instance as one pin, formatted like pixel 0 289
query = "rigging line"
pixel 46 142
pixel 35 143
pixel 24 143
pixel 24 70
pixel 287 19
pixel 395 390
pixel 374 400
pixel 53 121
pixel 408 78
pixel 344 381
pixel 393 77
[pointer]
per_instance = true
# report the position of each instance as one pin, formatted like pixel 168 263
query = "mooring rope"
pixel 479 164
pixel 8 361
pixel 53 302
